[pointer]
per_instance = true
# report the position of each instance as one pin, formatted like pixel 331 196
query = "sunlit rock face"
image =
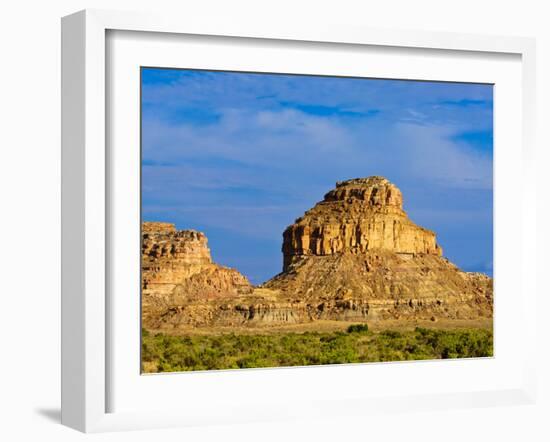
pixel 355 256
pixel 176 269
pixel 359 215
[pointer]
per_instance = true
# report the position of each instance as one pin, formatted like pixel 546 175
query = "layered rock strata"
pixel 177 269
pixel 358 215
pixel 355 256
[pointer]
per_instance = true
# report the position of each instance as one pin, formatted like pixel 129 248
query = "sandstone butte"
pixel 355 256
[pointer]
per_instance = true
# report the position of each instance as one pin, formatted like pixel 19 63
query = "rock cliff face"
pixel 169 256
pixel 177 269
pixel 355 256
pixel 357 216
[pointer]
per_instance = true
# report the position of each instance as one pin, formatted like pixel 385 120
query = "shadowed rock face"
pixel 358 215
pixel 355 256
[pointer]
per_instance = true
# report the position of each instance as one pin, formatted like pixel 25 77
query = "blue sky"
pixel 239 156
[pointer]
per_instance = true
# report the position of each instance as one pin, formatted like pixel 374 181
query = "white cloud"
pixel 273 165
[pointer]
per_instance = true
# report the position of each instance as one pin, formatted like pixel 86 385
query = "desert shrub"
pixel 228 351
pixel 391 334
pixel 358 328
pixel 447 344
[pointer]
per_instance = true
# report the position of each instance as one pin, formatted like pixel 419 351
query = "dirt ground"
pixel 328 326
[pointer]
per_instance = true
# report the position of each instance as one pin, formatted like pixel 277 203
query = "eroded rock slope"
pixel 355 256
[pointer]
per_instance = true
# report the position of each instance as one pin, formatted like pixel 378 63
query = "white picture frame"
pixel 86 205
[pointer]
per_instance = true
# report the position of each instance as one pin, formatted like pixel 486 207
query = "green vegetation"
pixel 164 353
pixel 358 328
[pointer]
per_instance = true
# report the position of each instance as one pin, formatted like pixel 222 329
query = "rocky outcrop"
pixel 156 227
pixel 169 256
pixel 359 215
pixel 177 269
pixel 379 285
pixel 355 256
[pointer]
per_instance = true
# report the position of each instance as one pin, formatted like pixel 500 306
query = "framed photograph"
pixel 265 222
